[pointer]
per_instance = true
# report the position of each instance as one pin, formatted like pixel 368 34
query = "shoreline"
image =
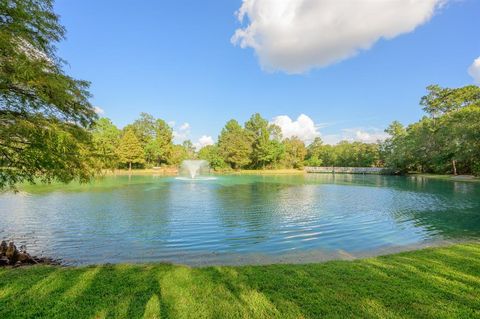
pixel 299 257
pixel 449 177
pixel 173 171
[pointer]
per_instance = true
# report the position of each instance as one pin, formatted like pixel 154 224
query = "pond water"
pixel 238 219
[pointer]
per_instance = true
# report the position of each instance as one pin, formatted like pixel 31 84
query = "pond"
pixel 238 219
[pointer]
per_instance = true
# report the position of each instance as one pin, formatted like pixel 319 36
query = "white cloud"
pixel 297 35
pixel 98 110
pixel 204 140
pixel 370 136
pixel 304 128
pixel 474 70
pixel 366 135
pixel 184 127
pixel 181 134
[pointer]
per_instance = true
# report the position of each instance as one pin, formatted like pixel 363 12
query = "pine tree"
pixel 234 145
pixel 265 140
pixel 130 150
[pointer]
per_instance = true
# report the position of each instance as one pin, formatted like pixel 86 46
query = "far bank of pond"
pixel 173 171
pixel 438 282
pixel 454 178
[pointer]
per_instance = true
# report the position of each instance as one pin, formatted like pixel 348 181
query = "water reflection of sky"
pixel 154 218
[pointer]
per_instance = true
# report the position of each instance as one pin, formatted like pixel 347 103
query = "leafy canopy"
pixel 295 152
pixel 43 111
pixel 234 145
pixel 265 139
pixel 447 141
pixel 211 153
pixel 440 100
pixel 130 150
pixel 106 139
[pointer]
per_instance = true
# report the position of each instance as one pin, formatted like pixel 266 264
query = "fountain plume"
pixel 194 168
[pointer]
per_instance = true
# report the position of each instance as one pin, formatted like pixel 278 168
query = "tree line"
pixel 146 142
pixel 258 144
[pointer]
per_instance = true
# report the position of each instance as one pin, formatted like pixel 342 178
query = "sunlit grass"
pixel 441 282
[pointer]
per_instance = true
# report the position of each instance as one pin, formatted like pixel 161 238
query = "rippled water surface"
pixel 237 218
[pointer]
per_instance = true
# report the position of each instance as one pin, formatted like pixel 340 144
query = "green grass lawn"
pixel 440 282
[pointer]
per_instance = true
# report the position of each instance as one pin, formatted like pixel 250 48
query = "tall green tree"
pixel 276 153
pixel 394 147
pixel 130 150
pixel 462 131
pixel 265 140
pixel 155 137
pixel 106 139
pixel 211 153
pixel 439 101
pixel 234 145
pixel 328 155
pixel 178 154
pixel 159 148
pixel 313 153
pixel 143 128
pixel 295 152
pixel 44 113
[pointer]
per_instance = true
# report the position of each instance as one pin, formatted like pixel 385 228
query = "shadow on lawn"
pixel 432 283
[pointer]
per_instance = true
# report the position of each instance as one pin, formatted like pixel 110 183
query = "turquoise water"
pixel 237 219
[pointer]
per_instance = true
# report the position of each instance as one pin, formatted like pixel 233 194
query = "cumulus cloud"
pixel 307 130
pixel 98 110
pixel 303 127
pixel 369 136
pixel 204 140
pixel 474 70
pixel 185 127
pixel 366 135
pixel 181 134
pixel 297 35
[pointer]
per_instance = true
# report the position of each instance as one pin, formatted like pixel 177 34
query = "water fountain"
pixel 194 169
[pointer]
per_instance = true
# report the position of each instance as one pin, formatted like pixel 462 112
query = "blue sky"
pixel 175 60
